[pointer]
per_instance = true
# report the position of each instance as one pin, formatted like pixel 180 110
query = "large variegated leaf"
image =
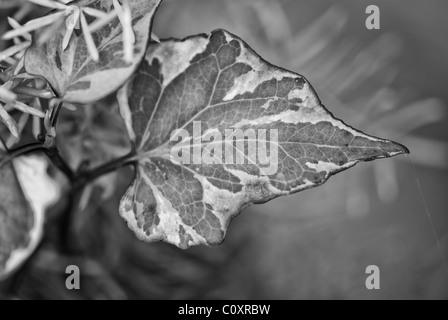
pixel 26 191
pixel 206 85
pixel 72 72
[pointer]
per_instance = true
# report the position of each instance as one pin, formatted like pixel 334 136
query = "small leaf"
pixel 15 25
pixel 49 4
pixel 94 13
pixel 13 50
pixel 125 17
pixel 6 95
pixel 89 39
pixel 219 83
pixel 9 121
pixel 73 70
pixel 26 191
pixel 27 109
pixel 33 25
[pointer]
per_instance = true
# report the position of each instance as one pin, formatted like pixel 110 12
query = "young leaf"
pixel 217 81
pixel 26 191
pixel 72 72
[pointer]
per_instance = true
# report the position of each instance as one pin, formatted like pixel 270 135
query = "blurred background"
pixel 315 244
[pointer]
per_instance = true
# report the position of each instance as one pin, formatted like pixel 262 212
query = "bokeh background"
pixel 315 244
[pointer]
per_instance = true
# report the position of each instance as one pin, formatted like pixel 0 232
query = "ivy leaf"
pixel 72 72
pixel 26 191
pixel 206 85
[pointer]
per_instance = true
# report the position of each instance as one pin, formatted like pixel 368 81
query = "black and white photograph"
pixel 223 156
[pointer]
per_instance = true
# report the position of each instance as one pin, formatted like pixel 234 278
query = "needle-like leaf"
pixel 89 39
pixel 124 15
pixel 33 25
pixel 94 12
pixel 9 121
pixel 71 27
pixel 27 109
pixel 14 49
pixel 6 95
pixel 100 23
pixel 15 25
pixel 49 4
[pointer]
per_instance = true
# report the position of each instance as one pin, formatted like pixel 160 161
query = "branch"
pixel 55 114
pixel 52 153
pixel 58 161
pixel 93 174
pixel 20 151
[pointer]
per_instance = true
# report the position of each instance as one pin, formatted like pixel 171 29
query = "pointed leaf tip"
pixel 398 149
pixel 401 149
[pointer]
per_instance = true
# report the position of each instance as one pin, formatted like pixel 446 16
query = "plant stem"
pixel 55 114
pixel 78 182
pixel 89 176
pixel 28 148
pixel 58 161
pixel 66 243
pixel 52 153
